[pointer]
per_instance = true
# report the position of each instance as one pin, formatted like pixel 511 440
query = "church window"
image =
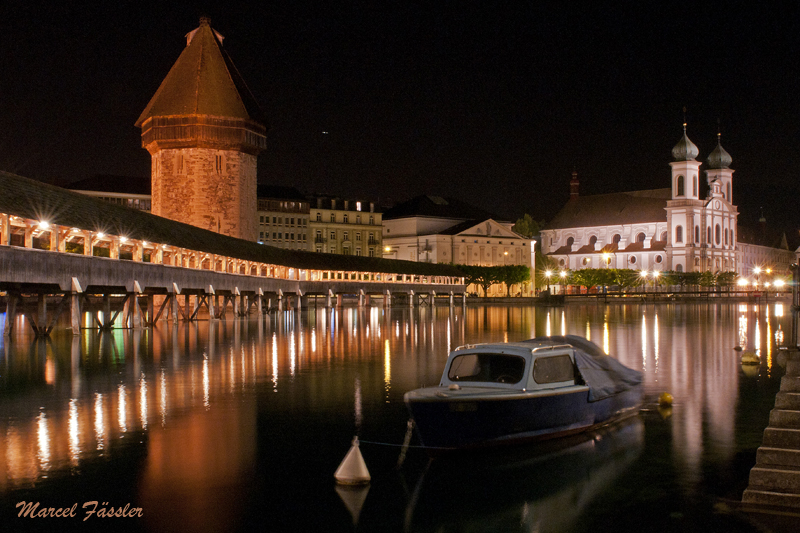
pixel 663 236
pixel 694 185
pixel 680 187
pixel 592 240
pixel 616 238
pixel 717 234
pixel 728 195
pixel 586 260
pixel 659 259
pixel 697 234
pixel 570 241
pixel 561 262
pixel 632 260
pixel 679 234
pixel 708 235
pixel 640 237
pixel 726 236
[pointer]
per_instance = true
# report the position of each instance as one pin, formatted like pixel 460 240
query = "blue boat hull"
pixel 471 421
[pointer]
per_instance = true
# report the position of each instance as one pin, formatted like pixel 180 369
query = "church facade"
pixel 660 229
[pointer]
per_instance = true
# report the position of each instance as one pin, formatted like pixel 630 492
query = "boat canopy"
pixel 604 375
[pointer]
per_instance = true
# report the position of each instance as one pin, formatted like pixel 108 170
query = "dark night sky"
pixel 491 102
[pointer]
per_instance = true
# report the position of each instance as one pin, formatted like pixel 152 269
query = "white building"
pixel 432 229
pixel 662 229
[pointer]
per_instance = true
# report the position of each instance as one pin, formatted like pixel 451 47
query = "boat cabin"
pixel 518 366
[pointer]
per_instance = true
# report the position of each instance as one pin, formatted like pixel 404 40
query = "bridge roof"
pixel 34 200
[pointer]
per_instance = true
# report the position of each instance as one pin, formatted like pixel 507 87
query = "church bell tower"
pixel 204 131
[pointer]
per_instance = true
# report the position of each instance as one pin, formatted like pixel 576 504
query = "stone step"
pixel 783 479
pixel 782 438
pixel 793 367
pixel 790 384
pixel 778 457
pixel 787 400
pixel 763 497
pixel 784 418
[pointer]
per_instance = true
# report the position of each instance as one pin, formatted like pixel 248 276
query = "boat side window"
pixel 487 367
pixel 553 369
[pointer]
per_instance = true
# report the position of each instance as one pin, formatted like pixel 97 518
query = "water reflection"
pixel 539 488
pixel 192 396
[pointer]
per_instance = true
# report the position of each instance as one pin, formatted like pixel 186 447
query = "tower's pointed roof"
pixel 719 158
pixel 685 150
pixel 203 81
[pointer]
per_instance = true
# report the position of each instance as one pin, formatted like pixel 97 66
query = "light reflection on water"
pixel 194 396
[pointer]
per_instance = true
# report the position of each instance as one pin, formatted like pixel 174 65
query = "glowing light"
pixel 43 438
pixel 163 405
pixel 274 363
pixel 122 419
pixel 778 309
pixel 547 325
pixel 74 432
pixel 387 368
pixel 99 422
pixel 206 383
pixel 100 235
pixel 742 282
pixel 43 224
pixel 779 283
pixel 143 401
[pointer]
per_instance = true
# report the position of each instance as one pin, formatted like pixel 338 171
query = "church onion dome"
pixel 685 150
pixel 719 158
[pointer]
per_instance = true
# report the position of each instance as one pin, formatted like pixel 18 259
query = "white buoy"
pixel 353 469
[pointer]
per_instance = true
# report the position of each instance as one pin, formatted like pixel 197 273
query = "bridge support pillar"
pixel 411 298
pixel 75 312
pixel 260 303
pixel 210 298
pixel 11 313
pixel 237 302
pixel 433 298
pixel 387 298
pixel 367 300
pixel 133 315
pixel 280 301
pixel 174 304
pixel 298 300
pixel 360 297
pixel 328 299
pixel 451 298
pixel 338 300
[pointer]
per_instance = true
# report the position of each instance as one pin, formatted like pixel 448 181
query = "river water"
pixel 239 425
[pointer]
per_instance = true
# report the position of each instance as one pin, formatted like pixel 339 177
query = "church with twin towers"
pixel 668 229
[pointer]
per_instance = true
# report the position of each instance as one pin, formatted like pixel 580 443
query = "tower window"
pixel 680 187
pixel 218 163
pixel 694 185
pixel 697 234
pixel 640 237
pixel 679 234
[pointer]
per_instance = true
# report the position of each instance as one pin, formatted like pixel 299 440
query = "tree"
pixel 626 278
pixel 485 276
pixel 514 274
pixel 527 227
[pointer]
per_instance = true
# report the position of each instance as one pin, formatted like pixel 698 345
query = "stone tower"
pixel 204 131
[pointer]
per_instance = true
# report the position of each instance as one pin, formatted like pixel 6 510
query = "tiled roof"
pixel 203 81
pixel 437 206
pixel 613 209
pixel 279 192
pixel 112 184
pixel 34 200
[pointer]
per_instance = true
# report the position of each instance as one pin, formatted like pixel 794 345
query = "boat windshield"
pixel 487 367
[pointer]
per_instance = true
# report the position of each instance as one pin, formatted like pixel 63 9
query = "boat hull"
pixel 463 419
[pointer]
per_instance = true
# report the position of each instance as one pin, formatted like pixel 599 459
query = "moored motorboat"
pixel 501 393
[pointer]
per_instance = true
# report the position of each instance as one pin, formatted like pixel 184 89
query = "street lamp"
pixel 547 274
pixel 656 274
pixel 563 275
pixel 643 275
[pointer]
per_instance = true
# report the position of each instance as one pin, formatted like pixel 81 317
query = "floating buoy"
pixel 353 497
pixel 353 469
pixel 750 358
pixel 665 399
